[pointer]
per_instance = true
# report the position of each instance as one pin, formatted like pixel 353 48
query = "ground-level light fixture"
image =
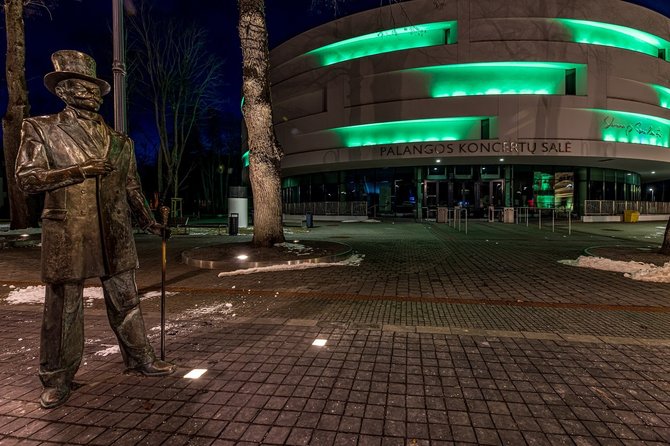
pixel 195 373
pixel 319 342
pixel 242 257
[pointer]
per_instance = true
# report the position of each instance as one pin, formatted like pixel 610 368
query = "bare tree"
pixel 265 154
pixel 18 108
pixel 22 214
pixel 218 137
pixel 171 67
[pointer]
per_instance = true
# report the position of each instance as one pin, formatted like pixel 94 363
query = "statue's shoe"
pixel 54 396
pixel 156 368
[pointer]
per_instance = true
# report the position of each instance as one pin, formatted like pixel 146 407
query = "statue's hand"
pixel 157 229
pixel 96 166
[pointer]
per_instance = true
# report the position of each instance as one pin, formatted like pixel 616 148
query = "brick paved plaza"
pixel 438 337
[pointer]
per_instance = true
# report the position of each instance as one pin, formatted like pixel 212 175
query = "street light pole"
pixel 119 67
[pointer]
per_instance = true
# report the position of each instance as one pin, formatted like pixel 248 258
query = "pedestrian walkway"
pixel 438 337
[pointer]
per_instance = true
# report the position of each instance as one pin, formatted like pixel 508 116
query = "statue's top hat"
pixel 70 64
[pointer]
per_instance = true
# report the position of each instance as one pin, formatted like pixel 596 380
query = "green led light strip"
pixel 496 78
pixel 419 130
pixel 417 36
pixel 663 95
pixel 633 128
pixel 245 159
pixel 598 33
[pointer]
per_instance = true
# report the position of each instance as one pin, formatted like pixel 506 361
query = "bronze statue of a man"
pixel 89 174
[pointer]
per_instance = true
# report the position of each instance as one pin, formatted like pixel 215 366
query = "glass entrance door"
pixel 435 193
pixel 497 192
pixel 430 199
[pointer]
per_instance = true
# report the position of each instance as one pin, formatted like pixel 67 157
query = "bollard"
pixel 233 223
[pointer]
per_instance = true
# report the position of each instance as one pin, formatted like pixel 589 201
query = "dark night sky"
pixel 90 32
pixel 86 25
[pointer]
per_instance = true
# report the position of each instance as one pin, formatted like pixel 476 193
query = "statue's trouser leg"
pixel 62 342
pixel 125 318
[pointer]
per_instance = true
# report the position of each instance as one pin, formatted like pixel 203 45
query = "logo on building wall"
pixel 631 128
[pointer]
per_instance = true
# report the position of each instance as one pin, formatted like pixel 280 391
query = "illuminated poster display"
pixel 564 189
pixel 554 190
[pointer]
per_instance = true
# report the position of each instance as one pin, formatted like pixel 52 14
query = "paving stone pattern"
pixel 437 338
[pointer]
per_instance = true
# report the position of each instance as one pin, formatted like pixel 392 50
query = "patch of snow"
pixel 35 295
pixel 111 350
pixel 645 272
pixel 354 260
pixel 28 295
pixel 295 248
pixel 152 294
pixel 91 294
pixel 6 231
pixel 216 309
pixel 167 327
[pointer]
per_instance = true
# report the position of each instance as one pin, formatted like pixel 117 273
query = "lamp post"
pixel 119 67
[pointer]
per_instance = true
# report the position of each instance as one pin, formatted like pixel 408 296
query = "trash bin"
pixel 442 214
pixel 233 223
pixel 630 216
pixel 239 203
pixel 309 220
pixel 508 215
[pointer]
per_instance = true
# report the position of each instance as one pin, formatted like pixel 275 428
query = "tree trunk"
pixel 17 109
pixel 264 151
pixel 665 247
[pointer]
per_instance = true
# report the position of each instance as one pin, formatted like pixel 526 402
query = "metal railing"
pixel 347 208
pixel 521 215
pixel 456 216
pixel 554 217
pixel 616 207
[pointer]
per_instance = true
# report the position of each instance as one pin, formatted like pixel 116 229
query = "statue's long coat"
pixel 86 222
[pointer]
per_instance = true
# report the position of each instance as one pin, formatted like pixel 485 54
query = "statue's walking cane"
pixel 165 212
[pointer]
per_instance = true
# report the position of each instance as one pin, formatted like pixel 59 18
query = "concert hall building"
pixel 475 103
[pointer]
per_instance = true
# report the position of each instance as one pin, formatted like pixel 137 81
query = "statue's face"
pixel 80 94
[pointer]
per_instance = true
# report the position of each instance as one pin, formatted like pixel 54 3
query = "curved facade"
pixel 476 102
